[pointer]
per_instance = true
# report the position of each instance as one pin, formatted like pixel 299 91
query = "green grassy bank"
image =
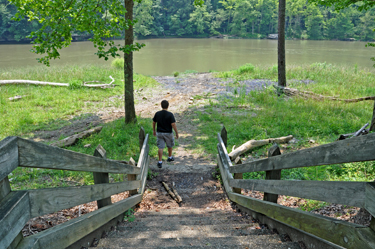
pixel 46 107
pixel 261 115
pixel 257 115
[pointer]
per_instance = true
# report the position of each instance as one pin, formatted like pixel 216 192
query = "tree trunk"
pixel 281 44
pixel 130 116
pixel 372 127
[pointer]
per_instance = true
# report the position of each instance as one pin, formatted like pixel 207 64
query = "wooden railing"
pixel 17 207
pixel 358 194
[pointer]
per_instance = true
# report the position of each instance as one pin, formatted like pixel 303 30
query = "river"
pixel 164 56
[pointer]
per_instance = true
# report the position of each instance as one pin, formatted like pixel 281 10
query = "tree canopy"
pixel 341 4
pixel 59 20
pixel 244 18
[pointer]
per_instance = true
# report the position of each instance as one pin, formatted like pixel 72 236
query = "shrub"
pixel 118 63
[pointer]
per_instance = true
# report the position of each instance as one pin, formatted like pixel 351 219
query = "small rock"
pixel 168 93
pixel 312 141
pixel 87 145
pixel 190 102
pixel 191 98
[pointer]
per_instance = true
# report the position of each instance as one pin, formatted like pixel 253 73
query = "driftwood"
pixel 362 131
pixel 173 193
pixel 307 94
pixel 73 139
pixel 256 143
pixel 17 97
pixel 178 197
pixel 44 83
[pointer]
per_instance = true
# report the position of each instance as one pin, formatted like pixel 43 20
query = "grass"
pixel 261 115
pixel 43 105
pixel 49 108
pixel 257 115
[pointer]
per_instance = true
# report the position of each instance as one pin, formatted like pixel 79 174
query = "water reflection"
pixel 164 56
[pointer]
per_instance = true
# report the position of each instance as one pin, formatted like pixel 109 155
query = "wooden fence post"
pixel 224 135
pixel 142 136
pixel 273 174
pixel 372 126
pixel 101 177
pixel 132 177
pixel 5 188
pixel 237 176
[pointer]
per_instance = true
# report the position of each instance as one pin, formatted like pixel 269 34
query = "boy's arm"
pixel 175 129
pixel 153 128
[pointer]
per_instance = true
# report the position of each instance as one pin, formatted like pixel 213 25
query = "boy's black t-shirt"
pixel 164 120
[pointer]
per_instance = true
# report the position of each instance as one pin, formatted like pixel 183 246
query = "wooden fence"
pixel 17 207
pixel 358 194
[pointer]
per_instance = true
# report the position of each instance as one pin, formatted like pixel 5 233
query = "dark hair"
pixel 164 104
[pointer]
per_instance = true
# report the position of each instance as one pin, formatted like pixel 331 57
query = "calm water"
pixel 164 56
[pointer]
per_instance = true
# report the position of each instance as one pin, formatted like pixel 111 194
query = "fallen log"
pixel 256 143
pixel 45 83
pixel 178 197
pixel 362 131
pixel 17 97
pixel 171 193
pixel 73 139
pixel 293 92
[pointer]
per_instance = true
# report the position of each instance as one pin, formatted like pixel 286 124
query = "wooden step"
pixel 258 241
pixel 156 221
pixel 180 231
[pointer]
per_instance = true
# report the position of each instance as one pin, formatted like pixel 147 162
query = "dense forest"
pixel 236 18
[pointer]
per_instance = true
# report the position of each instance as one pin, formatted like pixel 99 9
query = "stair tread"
pixel 191 231
pixel 258 241
pixel 193 222
pixel 288 245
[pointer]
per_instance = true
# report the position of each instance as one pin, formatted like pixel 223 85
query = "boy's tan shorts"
pixel 164 138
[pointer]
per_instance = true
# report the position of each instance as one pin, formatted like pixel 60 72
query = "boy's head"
pixel 164 104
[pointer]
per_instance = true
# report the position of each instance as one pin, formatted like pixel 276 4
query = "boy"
pixel 165 122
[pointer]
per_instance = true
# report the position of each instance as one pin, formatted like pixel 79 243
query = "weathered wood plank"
pixel 37 155
pixel 65 234
pixel 142 137
pixel 370 198
pixel 224 136
pixel 14 213
pixel 355 149
pixel 45 201
pixel 100 178
pixel 4 188
pixel 143 164
pixel 132 177
pixel 272 174
pixel 237 176
pixel 224 164
pixel 345 193
pixel 8 156
pixel 224 150
pixel 144 176
pixel 342 233
pixel 224 177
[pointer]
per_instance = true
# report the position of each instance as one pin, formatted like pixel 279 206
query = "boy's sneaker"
pixel 170 159
pixel 160 165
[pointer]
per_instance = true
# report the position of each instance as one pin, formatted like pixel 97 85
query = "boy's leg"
pixel 170 151
pixel 160 154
